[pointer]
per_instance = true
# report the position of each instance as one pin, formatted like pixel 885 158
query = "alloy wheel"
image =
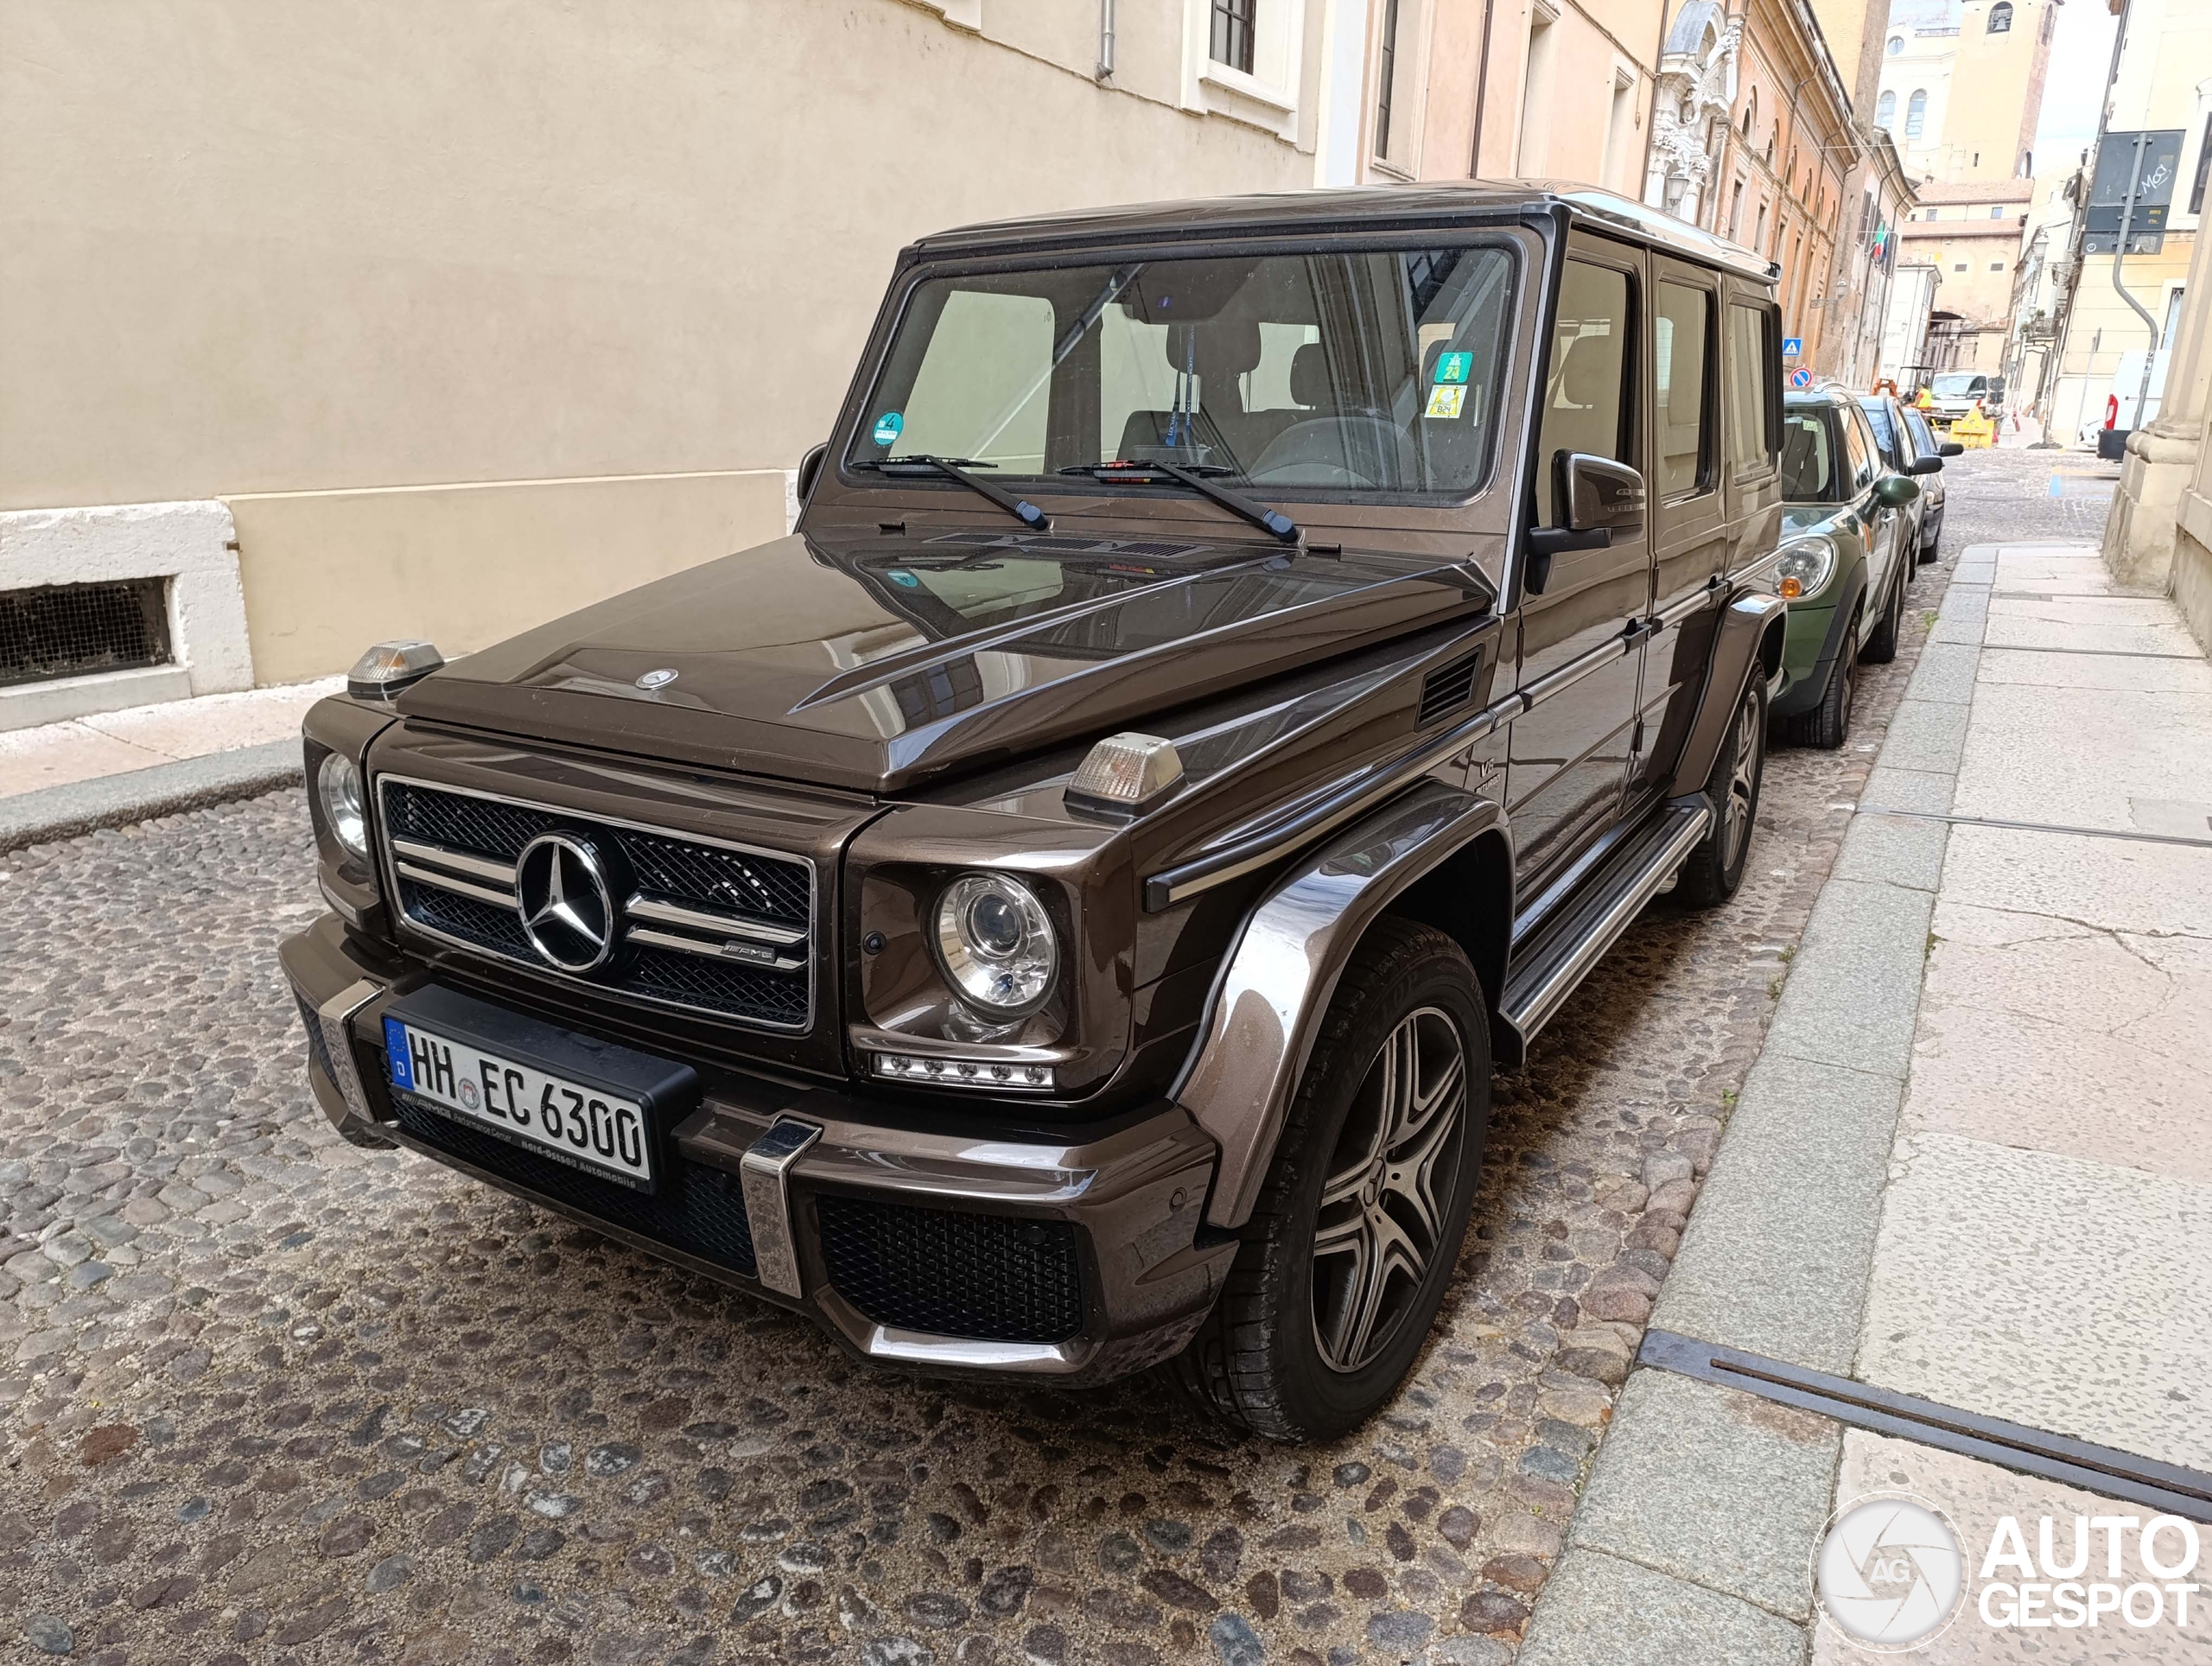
pixel 1743 781
pixel 1384 1206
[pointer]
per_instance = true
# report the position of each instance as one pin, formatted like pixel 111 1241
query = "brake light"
pixel 2112 410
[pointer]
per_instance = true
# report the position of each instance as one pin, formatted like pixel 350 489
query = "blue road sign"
pixel 1793 346
pixel 1801 377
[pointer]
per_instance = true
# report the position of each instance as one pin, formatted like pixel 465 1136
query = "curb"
pixel 1694 1536
pixel 138 795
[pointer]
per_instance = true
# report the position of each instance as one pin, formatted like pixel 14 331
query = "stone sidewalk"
pixel 1973 1162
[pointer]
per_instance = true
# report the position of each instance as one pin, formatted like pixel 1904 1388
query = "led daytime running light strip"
pixel 963 1072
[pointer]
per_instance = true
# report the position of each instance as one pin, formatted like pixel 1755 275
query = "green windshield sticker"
pixel 1454 366
pixel 887 427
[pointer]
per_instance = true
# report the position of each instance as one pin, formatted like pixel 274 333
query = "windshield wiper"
pixel 1271 521
pixel 956 468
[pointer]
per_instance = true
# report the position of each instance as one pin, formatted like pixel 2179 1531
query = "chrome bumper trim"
pixel 764 1174
pixel 335 1015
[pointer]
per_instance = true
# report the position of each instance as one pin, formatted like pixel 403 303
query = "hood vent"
pixel 1447 687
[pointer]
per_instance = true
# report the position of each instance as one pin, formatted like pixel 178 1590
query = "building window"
pixel 2000 17
pixel 2173 319
pixel 1961 267
pixel 1536 92
pixel 1896 45
pixel 1997 211
pixel 2203 170
pixel 1386 77
pixel 1886 110
pixel 1996 265
pixel 1735 209
pixel 1232 33
pixel 1916 112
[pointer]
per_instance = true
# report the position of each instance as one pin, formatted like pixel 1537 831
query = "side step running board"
pixel 1564 951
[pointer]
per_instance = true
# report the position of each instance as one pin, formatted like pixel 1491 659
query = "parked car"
pixel 1932 491
pixel 1239 665
pixel 2108 427
pixel 1893 440
pixel 1953 393
pixel 1846 554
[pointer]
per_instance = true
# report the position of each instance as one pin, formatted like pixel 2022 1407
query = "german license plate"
pixel 584 1127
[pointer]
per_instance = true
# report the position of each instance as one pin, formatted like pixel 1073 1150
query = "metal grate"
pixel 71 630
pixel 1447 687
pixel 987 1277
pixel 699 1210
pixel 710 877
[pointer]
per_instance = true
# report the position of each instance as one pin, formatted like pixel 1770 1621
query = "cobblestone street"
pixel 267 1397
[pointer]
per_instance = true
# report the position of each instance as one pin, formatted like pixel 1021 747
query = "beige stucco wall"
pixel 614 259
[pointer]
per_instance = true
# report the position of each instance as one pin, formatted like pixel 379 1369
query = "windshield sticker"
pixel 889 427
pixel 900 575
pixel 1454 367
pixel 1445 401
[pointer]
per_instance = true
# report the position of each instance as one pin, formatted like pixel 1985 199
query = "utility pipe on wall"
pixel 1105 40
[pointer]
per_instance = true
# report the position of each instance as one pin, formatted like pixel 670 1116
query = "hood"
pixel 880 663
pixel 1799 518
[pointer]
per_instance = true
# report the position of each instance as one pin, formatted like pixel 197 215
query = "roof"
pixel 1354 209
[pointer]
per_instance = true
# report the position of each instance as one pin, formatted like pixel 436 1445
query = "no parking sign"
pixel 1801 377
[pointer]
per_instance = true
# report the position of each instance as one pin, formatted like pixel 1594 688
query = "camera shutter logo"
pixel 1888 1573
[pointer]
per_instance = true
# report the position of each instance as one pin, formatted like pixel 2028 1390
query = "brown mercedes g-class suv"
pixel 1238 666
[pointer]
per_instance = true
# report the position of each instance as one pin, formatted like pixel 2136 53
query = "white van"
pixel 2119 415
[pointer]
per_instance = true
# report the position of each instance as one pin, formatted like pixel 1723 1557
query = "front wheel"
pixel 1882 646
pixel 1715 868
pixel 1352 1244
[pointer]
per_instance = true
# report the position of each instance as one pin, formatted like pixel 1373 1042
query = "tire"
pixel 1828 722
pixel 1712 871
pixel 1284 1353
pixel 1932 548
pixel 1882 645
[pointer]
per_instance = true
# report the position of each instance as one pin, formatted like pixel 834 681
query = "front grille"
pixel 986 1277
pixel 775 890
pixel 698 1211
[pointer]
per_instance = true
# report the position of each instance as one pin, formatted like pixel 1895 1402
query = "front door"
pixel 1569 753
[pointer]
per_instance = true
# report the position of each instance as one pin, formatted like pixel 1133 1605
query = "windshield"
pixel 1959 385
pixel 1808 471
pixel 1361 372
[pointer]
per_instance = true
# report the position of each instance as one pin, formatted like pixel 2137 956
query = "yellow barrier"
pixel 1974 431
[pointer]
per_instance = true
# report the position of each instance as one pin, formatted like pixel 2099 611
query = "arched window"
pixel 1916 112
pixel 2027 165
pixel 1886 110
pixel 1896 45
pixel 1751 111
pixel 2000 17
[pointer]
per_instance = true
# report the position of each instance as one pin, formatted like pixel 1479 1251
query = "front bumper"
pixel 1077 1260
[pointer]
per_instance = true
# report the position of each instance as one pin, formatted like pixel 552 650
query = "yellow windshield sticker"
pixel 1445 400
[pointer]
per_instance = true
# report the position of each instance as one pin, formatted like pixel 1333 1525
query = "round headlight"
pixel 338 784
pixel 996 944
pixel 1804 566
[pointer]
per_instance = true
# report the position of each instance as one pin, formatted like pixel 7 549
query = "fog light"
pixel 963 1072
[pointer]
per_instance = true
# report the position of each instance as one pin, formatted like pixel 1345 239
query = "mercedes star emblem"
pixel 567 909
pixel 659 679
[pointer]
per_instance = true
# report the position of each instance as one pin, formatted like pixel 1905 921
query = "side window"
pixel 1749 390
pixel 1858 447
pixel 1681 343
pixel 1585 399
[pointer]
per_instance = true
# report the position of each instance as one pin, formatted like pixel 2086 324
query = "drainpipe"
pixel 2119 255
pixel 1105 40
pixel 1482 91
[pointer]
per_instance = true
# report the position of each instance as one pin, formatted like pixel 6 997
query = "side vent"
pixel 1448 688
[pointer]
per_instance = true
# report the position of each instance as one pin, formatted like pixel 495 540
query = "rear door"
pixel 1569 751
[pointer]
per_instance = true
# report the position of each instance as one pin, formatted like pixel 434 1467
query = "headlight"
pixel 337 785
pixel 1804 566
pixel 995 944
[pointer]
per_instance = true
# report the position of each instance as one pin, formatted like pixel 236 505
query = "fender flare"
pixel 1749 638
pixel 1278 979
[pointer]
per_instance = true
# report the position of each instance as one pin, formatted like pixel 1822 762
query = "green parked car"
pixel 1848 538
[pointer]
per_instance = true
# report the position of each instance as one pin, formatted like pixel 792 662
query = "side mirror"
pixel 1895 491
pixel 810 470
pixel 1925 464
pixel 1950 449
pixel 1595 498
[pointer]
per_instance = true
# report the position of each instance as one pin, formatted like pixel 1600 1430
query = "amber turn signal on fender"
pixel 1126 771
pixel 1789 589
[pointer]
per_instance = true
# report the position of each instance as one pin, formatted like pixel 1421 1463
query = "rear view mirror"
pixel 1950 449
pixel 810 470
pixel 1925 464
pixel 1595 498
pixel 1895 491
